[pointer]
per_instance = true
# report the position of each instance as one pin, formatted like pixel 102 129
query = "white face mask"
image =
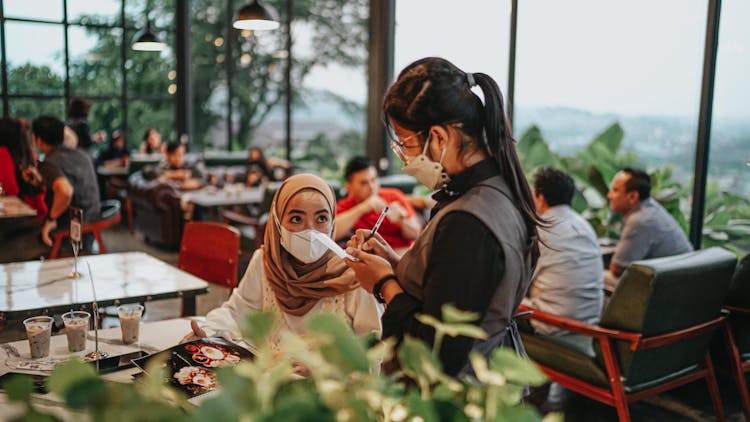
pixel 426 171
pixel 300 244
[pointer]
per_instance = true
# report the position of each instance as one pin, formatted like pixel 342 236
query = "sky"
pixel 635 57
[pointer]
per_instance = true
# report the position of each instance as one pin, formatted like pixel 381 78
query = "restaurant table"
pixel 154 336
pixel 36 288
pixel 14 207
pixel 113 170
pixel 229 195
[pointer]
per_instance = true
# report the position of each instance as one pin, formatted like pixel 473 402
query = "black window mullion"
pixel 66 54
pixel 3 62
pixel 124 72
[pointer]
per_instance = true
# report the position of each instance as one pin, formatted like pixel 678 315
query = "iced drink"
pixel 38 330
pixel 130 319
pixel 76 327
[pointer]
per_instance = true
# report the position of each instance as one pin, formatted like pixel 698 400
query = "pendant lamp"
pixel 146 40
pixel 257 17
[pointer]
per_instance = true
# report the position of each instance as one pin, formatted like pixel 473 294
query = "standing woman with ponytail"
pixel 479 249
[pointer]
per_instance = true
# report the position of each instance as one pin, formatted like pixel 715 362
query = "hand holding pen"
pixel 377 223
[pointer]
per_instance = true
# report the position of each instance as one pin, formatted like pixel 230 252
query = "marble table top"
pixel 36 287
pixel 12 206
pixel 229 195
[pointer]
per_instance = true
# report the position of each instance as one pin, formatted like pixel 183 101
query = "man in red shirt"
pixel 364 202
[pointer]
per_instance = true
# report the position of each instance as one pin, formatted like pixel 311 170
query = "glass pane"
pixel 150 73
pixel 147 114
pixel 209 74
pixel 727 214
pixel 637 92
pixel 160 12
pixel 106 116
pixel 258 92
pixel 31 108
pixel 475 38
pixel 94 11
pixel 35 67
pixel 330 86
pixel 37 9
pixel 95 60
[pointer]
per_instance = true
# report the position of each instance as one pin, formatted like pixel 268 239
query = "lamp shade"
pixel 146 40
pixel 257 17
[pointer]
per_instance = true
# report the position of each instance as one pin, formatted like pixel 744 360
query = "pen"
pixel 377 223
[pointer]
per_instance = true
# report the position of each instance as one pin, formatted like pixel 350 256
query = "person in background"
pixel 152 142
pixel 479 249
pixel 18 162
pixel 258 171
pixel 68 174
pixel 70 139
pixel 116 154
pixel 648 230
pixel 291 276
pixel 364 202
pixel 174 168
pixel 78 113
pixel 569 276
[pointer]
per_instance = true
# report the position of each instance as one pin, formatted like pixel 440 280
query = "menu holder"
pixel 191 366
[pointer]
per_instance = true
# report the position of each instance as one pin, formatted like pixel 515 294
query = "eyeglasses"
pixel 401 142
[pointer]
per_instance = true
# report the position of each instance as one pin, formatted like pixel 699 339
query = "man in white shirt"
pixel 568 279
pixel 569 276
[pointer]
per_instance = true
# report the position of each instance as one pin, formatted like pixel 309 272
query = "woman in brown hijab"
pixel 292 275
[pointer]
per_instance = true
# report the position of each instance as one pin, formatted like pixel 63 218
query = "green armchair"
pixel 654 334
pixel 738 332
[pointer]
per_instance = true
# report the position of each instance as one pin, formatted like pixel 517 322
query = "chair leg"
pixel 615 381
pixel 713 390
pixel 129 211
pixel 737 373
pixel 100 241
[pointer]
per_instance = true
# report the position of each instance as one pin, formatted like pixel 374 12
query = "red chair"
pixel 110 216
pixel 209 251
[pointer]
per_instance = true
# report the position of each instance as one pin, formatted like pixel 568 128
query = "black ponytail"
pixel 433 91
pixel 501 147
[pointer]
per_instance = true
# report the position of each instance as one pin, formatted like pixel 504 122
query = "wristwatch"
pixel 378 287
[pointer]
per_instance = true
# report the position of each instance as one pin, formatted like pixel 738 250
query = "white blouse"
pixel 254 293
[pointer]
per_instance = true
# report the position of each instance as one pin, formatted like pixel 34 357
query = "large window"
pixel 53 55
pixel 239 91
pixel 605 84
pixel 727 213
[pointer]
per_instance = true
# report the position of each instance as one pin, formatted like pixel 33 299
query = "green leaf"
pixel 452 314
pixel 88 392
pixel 19 387
pixel 519 413
pixel 420 407
pixel 257 326
pixel 343 348
pixel 417 361
pixel 516 368
pixel 68 374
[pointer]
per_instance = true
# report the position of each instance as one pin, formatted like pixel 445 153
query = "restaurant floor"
pixel 687 403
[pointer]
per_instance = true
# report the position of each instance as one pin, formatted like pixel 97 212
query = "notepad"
pixel 323 239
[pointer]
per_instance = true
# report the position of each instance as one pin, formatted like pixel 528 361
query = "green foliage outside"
pixel 344 382
pixel 338 35
pixel 727 215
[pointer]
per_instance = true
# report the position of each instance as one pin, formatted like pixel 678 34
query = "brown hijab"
pixel 298 286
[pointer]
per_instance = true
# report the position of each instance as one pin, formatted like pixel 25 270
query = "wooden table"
pixel 13 207
pixel 44 288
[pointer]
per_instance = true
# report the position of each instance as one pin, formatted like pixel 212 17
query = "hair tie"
pixel 470 79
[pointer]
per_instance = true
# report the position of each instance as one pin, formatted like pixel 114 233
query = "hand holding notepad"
pixel 325 240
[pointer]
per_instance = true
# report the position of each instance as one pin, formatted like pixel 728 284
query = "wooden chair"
pixel 654 335
pixel 209 251
pixel 737 334
pixel 109 217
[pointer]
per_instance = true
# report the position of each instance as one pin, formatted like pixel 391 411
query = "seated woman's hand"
pixel 375 245
pixel 196 334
